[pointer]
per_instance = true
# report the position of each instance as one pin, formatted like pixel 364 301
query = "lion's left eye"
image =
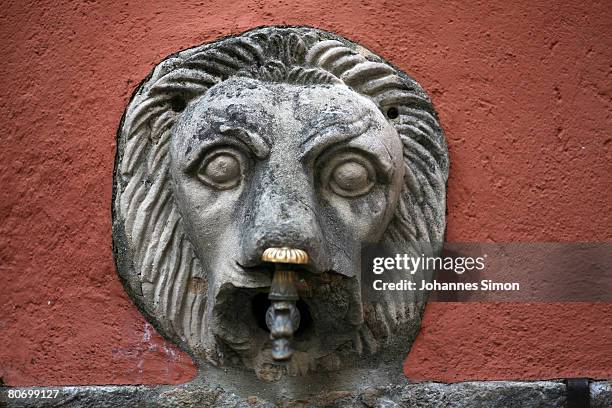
pixel 349 175
pixel 221 169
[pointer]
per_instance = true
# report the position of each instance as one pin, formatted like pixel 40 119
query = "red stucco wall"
pixel 523 91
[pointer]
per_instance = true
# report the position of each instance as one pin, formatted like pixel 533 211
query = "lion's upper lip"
pixel 268 269
pixel 258 268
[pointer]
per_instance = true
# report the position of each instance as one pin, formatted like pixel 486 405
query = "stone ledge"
pixel 498 394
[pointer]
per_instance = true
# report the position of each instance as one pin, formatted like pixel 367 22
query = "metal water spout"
pixel 283 317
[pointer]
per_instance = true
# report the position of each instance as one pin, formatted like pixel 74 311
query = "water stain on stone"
pixel 197 285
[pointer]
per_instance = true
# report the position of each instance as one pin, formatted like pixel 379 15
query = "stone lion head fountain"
pixel 281 137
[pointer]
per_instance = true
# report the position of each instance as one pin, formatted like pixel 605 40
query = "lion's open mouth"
pixel 325 331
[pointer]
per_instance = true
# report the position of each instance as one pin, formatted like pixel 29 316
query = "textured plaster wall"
pixel 524 94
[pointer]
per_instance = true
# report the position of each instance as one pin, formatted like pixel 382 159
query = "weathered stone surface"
pixel 278 137
pixel 494 394
pixel 601 394
pixel 485 394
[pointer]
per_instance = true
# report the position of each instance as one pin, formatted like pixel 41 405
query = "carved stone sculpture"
pixel 279 137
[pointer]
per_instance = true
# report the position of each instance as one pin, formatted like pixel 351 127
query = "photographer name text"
pixel 484 285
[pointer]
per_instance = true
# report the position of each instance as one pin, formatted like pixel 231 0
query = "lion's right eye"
pixel 221 169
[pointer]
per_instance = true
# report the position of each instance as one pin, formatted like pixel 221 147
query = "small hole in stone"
pixel 177 104
pixel 392 113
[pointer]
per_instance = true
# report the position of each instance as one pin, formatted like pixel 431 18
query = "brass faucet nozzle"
pixel 283 317
pixel 285 255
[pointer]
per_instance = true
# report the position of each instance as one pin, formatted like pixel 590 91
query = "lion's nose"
pixel 283 214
